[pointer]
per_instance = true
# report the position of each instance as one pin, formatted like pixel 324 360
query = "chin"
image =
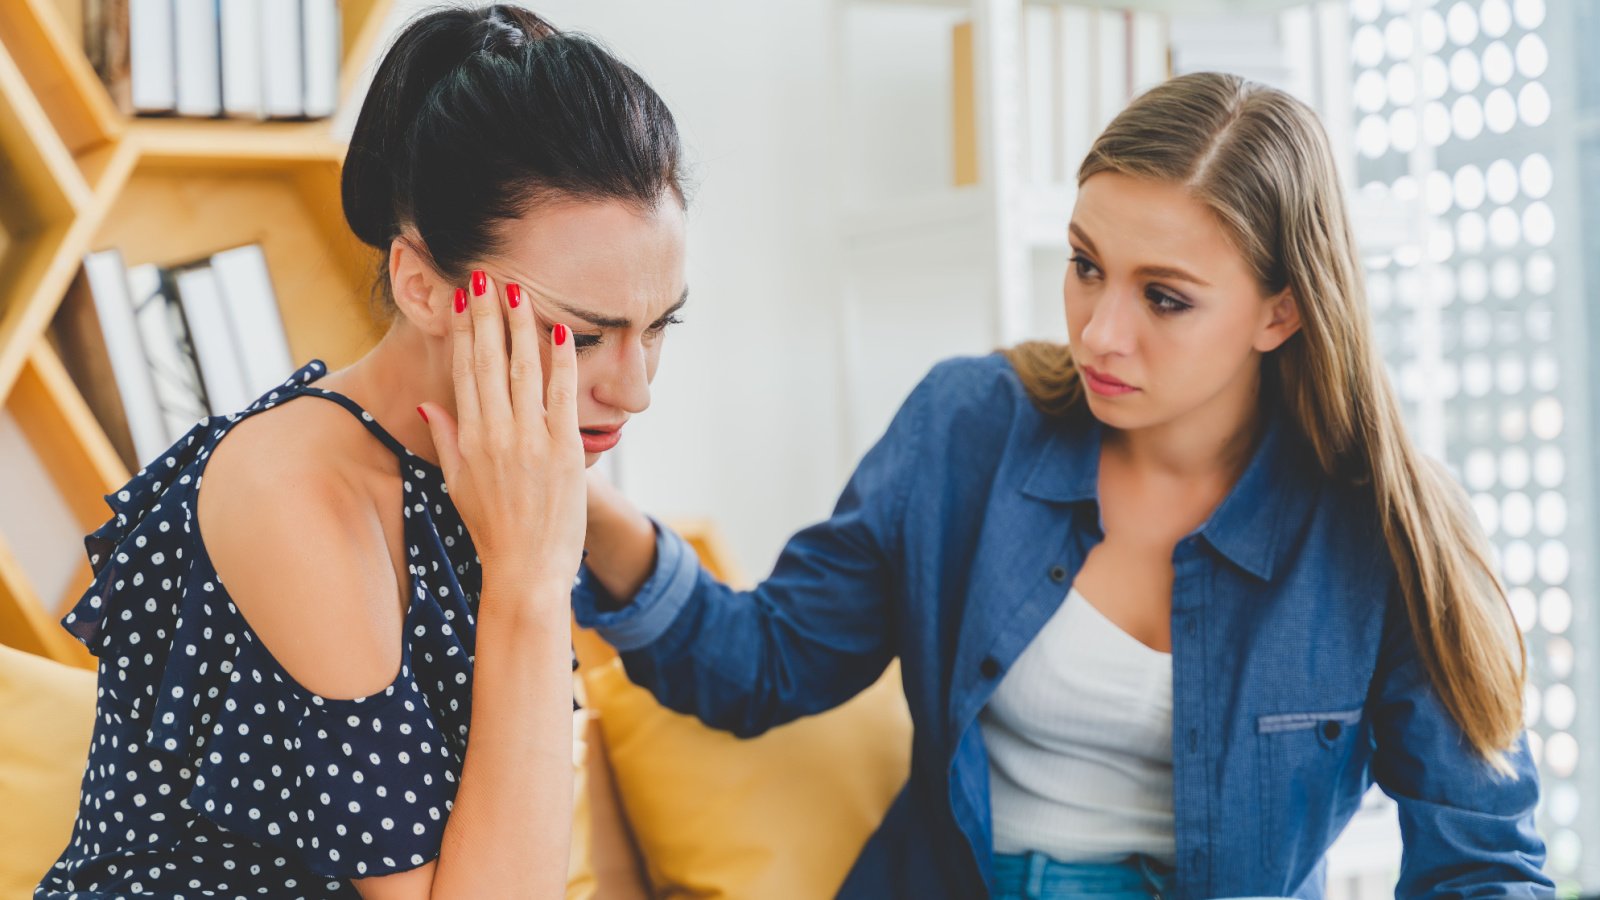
pixel 1115 416
pixel 589 459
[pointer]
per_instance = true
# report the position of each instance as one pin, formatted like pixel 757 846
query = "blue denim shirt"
pixel 1296 682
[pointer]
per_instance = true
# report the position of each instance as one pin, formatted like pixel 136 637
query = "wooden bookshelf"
pixel 81 177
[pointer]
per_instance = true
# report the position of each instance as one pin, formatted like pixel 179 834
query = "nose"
pixel 1112 325
pixel 624 383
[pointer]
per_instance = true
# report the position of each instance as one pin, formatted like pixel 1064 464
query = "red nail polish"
pixel 559 333
pixel 423 413
pixel 461 299
pixel 480 282
pixel 513 294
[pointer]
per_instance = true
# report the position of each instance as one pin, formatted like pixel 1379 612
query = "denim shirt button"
pixel 1332 730
pixel 1058 574
pixel 1194 740
pixel 989 668
pixel 1190 628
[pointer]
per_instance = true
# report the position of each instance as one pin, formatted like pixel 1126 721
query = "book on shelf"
pixel 239 25
pixel 155 349
pixel 320 25
pixel 152 77
pixel 197 45
pixel 282 80
pixel 233 318
pixel 253 311
pixel 168 349
pixel 98 339
pixel 255 59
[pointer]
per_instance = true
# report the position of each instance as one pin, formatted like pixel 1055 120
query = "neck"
pixel 405 368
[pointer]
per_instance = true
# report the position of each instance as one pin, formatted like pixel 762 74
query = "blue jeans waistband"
pixel 1035 876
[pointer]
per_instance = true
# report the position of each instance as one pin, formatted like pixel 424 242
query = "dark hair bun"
pixel 474 115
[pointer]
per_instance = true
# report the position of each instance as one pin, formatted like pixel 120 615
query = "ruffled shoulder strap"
pixel 123 552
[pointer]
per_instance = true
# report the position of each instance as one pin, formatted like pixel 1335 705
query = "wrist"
pixel 526 578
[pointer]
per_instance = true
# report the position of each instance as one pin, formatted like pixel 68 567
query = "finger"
pixel 462 374
pixel 442 428
pixel 561 396
pixel 489 351
pixel 527 377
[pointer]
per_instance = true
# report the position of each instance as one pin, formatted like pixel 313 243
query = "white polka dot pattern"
pixel 211 771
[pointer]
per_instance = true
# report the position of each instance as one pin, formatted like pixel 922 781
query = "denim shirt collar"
pixel 1263 509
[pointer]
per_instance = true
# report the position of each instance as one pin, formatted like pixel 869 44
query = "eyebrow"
pixel 620 323
pixel 1151 271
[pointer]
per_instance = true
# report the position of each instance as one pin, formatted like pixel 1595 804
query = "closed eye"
pixel 583 342
pixel 662 323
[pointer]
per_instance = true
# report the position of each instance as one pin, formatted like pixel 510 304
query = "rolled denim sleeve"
pixel 1468 830
pixel 659 600
pixel 813 634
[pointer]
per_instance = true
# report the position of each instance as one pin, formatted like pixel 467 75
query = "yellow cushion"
pixel 780 816
pixel 580 871
pixel 44 745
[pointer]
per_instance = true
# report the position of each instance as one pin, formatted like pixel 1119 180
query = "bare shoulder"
pixel 298 545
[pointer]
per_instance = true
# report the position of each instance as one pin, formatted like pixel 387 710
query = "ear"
pixel 1281 321
pixel 419 293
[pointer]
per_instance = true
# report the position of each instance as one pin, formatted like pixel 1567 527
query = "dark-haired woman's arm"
pixel 515 472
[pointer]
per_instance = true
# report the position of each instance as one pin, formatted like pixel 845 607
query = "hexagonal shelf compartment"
pixel 81 177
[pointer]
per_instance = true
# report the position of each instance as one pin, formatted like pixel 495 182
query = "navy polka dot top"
pixel 212 773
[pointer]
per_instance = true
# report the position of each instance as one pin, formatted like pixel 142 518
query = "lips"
pixel 1105 385
pixel 600 438
pixel 1105 379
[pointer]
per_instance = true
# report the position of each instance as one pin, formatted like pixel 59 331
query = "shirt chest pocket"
pixel 1300 757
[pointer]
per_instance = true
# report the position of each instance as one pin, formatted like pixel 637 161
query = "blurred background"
pixel 881 184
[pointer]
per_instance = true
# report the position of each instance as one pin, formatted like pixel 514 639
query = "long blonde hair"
pixel 1260 161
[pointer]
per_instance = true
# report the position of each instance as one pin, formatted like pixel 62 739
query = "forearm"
pixel 510 829
pixel 621 542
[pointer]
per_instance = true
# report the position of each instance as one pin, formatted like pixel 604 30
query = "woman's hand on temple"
pixel 512 456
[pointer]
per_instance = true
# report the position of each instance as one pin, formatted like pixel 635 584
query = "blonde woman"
pixel 1168 598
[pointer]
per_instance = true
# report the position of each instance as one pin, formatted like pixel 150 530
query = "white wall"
pixel 745 425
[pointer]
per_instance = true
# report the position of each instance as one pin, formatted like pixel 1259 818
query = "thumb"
pixel 442 428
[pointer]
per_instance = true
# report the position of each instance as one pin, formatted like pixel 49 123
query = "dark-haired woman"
pixel 1167 598
pixel 293 657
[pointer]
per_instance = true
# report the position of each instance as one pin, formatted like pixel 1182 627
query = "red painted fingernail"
pixel 480 282
pixel 461 299
pixel 513 294
pixel 423 413
pixel 559 333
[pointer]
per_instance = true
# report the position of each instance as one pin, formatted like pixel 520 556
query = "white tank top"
pixel 1079 735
